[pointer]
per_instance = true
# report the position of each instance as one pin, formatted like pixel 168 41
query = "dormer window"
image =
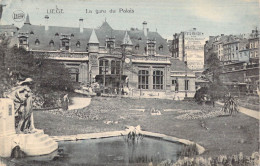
pixel 78 44
pixel 151 47
pixel 23 40
pixel 31 32
pixel 65 43
pixel 37 42
pixel 51 43
pixel 137 47
pixel 161 48
pixel 110 43
pixel 56 34
pixel 72 35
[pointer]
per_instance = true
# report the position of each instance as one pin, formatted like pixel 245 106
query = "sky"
pixel 212 17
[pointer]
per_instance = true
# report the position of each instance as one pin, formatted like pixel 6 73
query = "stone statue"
pixel 22 97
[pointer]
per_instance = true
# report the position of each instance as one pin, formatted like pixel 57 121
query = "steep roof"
pixel 127 40
pixel 54 32
pixel 27 21
pixel 106 26
pixel 93 37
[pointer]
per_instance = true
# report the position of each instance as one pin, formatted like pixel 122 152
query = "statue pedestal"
pixel 32 144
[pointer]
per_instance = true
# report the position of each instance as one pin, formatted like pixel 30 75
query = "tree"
pixel 17 64
pixel 212 73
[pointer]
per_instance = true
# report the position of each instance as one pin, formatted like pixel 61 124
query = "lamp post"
pixel 122 67
pixel 186 82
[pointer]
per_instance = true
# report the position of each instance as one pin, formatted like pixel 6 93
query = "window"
pixel 151 50
pixel 157 79
pixel 137 47
pixel 186 84
pixel 23 40
pixel 115 67
pixel 103 66
pixel 51 43
pixel 143 82
pixel 78 44
pixel 37 42
pixel 72 35
pixel 161 48
pixel 65 44
pixel 57 34
pixel 174 82
pixel 110 43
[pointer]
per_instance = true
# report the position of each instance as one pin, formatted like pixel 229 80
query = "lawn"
pixel 219 134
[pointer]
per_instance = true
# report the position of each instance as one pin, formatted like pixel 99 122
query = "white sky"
pixel 212 17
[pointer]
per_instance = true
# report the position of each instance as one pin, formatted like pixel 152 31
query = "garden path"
pixel 249 112
pixel 79 102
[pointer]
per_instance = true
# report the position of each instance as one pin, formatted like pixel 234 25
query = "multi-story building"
pixel 138 59
pixel 188 47
pixel 240 60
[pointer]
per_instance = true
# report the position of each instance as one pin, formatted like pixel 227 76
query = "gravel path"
pixel 79 102
pixel 248 112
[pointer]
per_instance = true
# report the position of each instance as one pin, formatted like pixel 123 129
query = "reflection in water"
pixel 108 151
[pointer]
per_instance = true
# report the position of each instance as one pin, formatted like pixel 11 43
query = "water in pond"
pixel 108 151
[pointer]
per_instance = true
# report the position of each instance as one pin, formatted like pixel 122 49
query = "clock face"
pixel 127 60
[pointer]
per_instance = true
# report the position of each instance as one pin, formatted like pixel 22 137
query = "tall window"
pixel 157 79
pixel 151 47
pixel 103 66
pixel 186 84
pixel 143 76
pixel 115 67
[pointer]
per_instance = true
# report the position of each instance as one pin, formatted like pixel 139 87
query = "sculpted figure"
pixel 22 97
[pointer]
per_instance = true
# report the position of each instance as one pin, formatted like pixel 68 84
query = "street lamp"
pixel 186 82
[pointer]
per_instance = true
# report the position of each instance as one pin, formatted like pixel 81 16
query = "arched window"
pixel 51 43
pixel 115 67
pixel 37 42
pixel 103 66
pixel 143 79
pixel 157 79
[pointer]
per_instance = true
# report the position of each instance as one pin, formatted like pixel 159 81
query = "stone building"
pixel 137 59
pixel 240 60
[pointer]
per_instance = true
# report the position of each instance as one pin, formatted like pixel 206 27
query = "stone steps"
pixel 37 143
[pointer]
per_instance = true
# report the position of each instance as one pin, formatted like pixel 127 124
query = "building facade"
pixel 137 59
pixel 239 58
pixel 187 46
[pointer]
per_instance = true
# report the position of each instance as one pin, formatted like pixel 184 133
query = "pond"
pixel 108 151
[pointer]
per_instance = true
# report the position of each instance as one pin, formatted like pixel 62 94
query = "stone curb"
pixel 123 133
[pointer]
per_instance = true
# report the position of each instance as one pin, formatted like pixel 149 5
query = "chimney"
pixel 46 22
pixel 81 25
pixel 145 28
